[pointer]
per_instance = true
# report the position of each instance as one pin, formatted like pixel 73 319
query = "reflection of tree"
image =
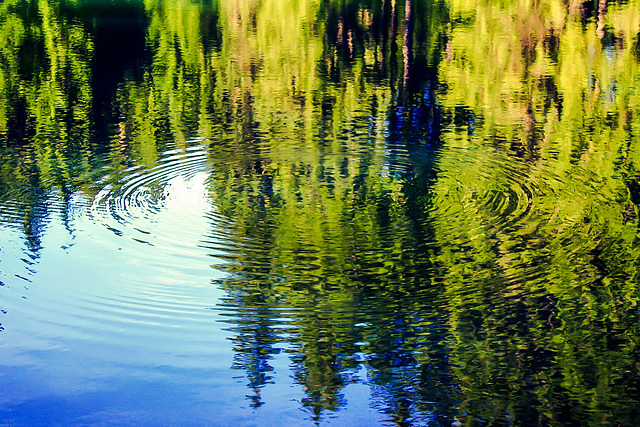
pixel 12 30
pixel 256 336
pixel 333 238
pixel 171 103
pixel 541 268
pixel 506 343
pixel 45 107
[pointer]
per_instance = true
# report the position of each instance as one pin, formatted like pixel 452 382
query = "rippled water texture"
pixel 392 212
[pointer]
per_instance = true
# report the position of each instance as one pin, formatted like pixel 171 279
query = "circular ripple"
pixel 177 183
pixel 125 269
pixel 503 215
pixel 496 191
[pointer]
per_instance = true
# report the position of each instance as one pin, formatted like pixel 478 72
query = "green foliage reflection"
pixel 541 228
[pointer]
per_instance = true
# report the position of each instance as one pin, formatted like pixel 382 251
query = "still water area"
pixel 317 212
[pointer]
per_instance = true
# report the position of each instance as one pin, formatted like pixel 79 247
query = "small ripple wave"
pixel 143 196
pixel 504 214
pixel 126 267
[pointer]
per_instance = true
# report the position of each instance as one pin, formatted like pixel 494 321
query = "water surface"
pixel 337 213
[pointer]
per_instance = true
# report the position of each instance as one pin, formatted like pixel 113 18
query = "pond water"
pixel 267 212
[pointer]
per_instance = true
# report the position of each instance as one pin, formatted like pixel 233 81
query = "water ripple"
pixel 132 204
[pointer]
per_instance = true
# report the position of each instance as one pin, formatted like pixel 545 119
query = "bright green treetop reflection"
pixel 444 193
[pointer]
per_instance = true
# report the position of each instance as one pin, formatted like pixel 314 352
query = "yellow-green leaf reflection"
pixel 537 213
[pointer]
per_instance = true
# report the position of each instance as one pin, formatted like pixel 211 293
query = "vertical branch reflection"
pixel 407 47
